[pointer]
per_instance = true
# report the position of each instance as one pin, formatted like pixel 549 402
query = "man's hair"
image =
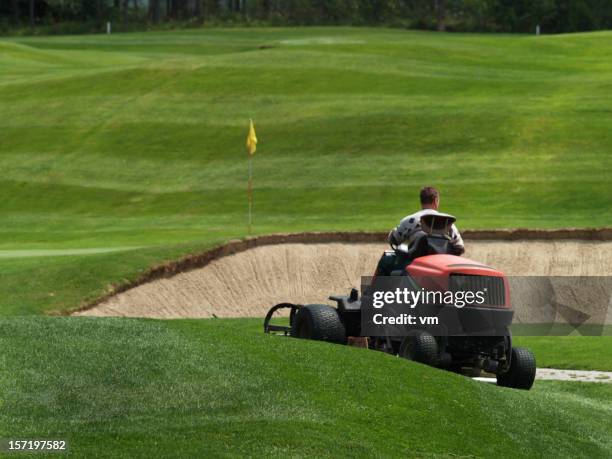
pixel 429 195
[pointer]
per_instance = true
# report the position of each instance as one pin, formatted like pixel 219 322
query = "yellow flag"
pixel 251 141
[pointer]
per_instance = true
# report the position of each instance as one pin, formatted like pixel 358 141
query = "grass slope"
pixel 220 387
pixel 137 140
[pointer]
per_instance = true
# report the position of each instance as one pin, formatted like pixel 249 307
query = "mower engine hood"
pixel 444 265
pixel 433 272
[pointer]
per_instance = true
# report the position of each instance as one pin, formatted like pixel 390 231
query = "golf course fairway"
pixel 123 152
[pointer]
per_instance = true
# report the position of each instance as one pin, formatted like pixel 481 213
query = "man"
pixel 430 201
pixel 408 230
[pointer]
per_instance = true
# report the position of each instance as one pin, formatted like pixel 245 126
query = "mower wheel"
pixel 522 371
pixel 421 347
pixel 319 322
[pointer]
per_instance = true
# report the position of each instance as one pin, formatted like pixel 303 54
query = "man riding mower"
pixel 469 338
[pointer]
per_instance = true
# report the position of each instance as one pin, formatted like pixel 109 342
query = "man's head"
pixel 430 198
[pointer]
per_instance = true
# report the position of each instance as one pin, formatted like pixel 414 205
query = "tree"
pixel 99 10
pixel 15 9
pixel 555 16
pixel 124 10
pixel 209 7
pixel 198 9
pixel 154 11
pixel 32 11
pixel 441 15
pixel 173 8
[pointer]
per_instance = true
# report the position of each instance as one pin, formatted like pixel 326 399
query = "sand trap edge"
pixel 195 261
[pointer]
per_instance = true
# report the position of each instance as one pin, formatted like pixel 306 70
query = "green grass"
pixel 137 140
pixel 193 388
pixel 127 150
pixel 570 352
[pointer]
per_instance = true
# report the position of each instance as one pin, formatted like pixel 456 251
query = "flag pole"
pixel 251 144
pixel 250 193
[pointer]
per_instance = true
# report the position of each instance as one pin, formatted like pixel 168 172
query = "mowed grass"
pixel 218 387
pixel 137 140
pixel 570 352
pixel 135 143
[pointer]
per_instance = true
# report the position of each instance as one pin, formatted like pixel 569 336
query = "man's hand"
pixel 393 239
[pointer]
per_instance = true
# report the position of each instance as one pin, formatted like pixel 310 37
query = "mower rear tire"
pixel 421 347
pixel 318 322
pixel 522 371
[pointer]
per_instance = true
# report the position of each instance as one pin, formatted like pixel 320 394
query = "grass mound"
pixel 200 387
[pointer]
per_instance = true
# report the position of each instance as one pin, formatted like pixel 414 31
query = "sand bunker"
pixel 247 283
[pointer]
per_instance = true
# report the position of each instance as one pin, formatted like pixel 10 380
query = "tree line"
pixel 553 16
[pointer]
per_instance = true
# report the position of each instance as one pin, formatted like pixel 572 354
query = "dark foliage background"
pixel 553 16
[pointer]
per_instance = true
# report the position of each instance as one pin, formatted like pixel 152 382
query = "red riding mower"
pixel 427 264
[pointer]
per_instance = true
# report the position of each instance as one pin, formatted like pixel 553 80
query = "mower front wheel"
pixel 421 347
pixel 522 371
pixel 318 322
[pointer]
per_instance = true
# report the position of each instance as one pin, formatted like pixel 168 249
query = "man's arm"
pixel 401 232
pixel 457 246
pixel 393 237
